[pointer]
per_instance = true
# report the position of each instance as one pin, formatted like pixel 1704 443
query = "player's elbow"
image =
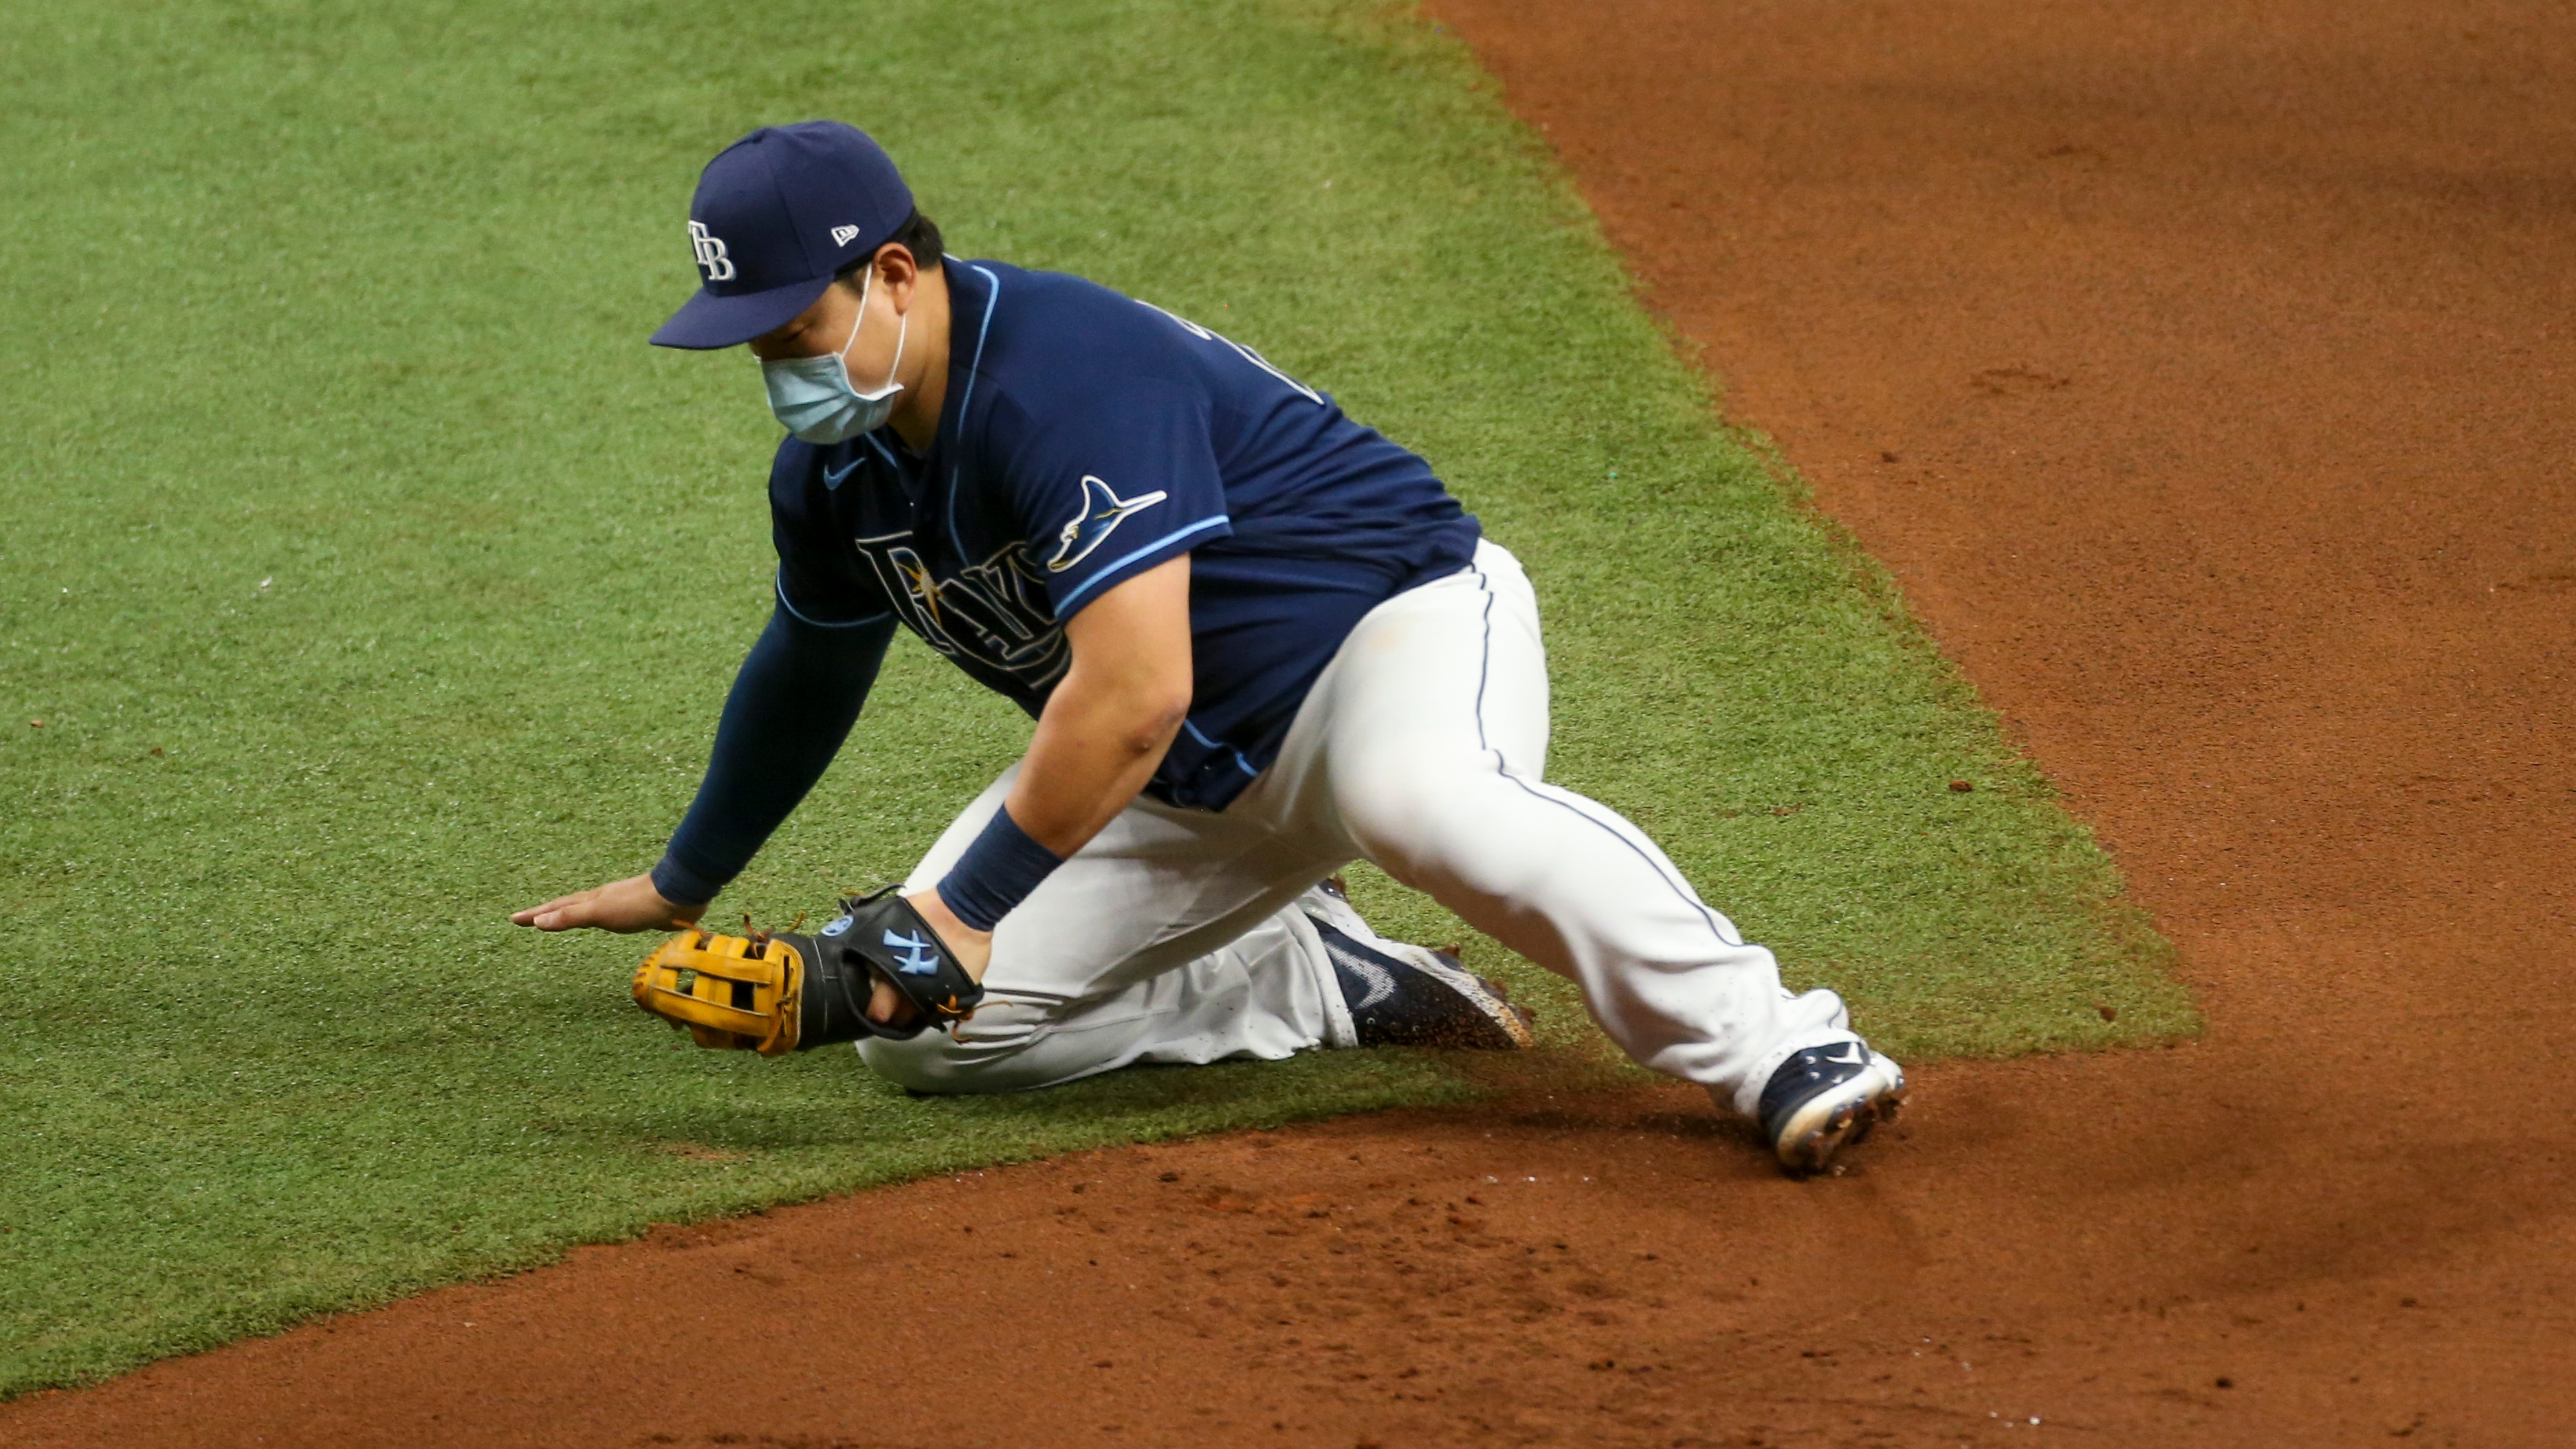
pixel 1146 693
pixel 1155 715
pixel 1131 712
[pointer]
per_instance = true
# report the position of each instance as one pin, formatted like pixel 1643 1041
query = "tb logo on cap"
pixel 711 253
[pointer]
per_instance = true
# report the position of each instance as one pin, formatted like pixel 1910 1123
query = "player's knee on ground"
pixel 936 1063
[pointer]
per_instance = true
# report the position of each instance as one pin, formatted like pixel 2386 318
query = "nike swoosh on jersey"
pixel 1102 510
pixel 834 480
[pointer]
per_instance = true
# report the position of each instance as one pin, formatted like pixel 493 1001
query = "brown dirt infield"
pixel 2204 374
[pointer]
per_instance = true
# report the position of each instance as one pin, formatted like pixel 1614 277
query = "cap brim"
pixel 708 321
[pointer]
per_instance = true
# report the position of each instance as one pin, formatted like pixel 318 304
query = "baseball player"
pixel 1259 641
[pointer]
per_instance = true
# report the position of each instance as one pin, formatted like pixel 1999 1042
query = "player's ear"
pixel 897 273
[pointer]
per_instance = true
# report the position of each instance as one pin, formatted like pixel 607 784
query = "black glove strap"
pixel 879 936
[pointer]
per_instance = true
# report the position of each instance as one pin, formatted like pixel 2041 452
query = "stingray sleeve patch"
pixel 1101 512
pixel 1112 482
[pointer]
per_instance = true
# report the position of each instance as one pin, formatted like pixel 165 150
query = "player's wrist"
pixel 972 948
pixel 945 921
pixel 1000 869
pixel 676 914
pixel 685 891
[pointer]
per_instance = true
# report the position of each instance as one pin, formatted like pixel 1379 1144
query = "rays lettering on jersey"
pixel 995 613
pixel 1255 358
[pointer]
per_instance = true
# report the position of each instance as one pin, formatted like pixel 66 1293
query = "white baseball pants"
pixel 1178 935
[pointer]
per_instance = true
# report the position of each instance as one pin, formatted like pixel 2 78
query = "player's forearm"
pixel 791 706
pixel 1098 741
pixel 1096 745
pixel 1109 722
pixel 1104 729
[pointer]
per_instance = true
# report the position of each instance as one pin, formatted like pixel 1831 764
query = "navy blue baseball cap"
pixel 776 214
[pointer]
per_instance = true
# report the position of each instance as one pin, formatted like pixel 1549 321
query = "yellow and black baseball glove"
pixel 787 992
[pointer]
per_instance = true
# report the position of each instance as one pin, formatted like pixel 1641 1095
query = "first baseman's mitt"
pixel 782 993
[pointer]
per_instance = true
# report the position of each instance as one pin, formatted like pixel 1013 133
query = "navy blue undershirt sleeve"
pixel 792 705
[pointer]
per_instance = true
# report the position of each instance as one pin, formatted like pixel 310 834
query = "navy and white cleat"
pixel 1402 995
pixel 1825 1098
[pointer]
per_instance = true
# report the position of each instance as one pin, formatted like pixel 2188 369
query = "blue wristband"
pixel 996 873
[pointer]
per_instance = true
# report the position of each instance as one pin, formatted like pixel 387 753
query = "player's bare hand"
pixel 624 905
pixel 972 948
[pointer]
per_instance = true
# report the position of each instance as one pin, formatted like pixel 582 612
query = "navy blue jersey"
pixel 1085 438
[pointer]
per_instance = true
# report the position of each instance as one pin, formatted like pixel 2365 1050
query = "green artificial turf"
pixel 370 577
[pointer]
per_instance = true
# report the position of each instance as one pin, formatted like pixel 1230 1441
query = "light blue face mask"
pixel 813 396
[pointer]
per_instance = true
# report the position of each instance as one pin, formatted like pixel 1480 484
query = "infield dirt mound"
pixel 2204 374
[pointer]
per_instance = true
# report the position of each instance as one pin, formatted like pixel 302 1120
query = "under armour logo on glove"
pixel 913 956
pixel 710 249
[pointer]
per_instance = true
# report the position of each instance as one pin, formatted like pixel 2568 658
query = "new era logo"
pixel 842 235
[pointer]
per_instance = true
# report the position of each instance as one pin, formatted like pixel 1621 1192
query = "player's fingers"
pixel 613 907
pixel 883 1002
pixel 539 916
pixel 584 909
pixel 529 916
